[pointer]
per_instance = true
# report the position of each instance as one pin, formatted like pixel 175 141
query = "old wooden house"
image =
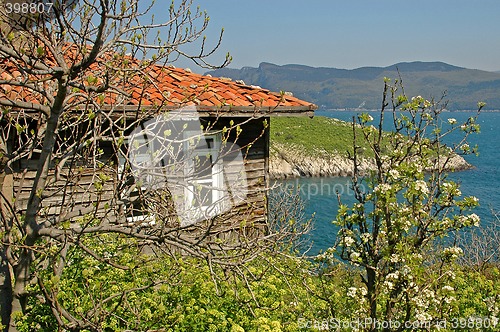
pixel 203 138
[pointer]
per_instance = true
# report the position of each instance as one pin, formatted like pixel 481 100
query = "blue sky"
pixel 356 33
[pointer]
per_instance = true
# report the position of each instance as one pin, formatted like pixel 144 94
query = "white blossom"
pixel 406 223
pixel 453 252
pixel 451 274
pixel 382 188
pixel 449 299
pixel 423 317
pixel 451 189
pixel 348 241
pixel 491 303
pixel 448 288
pixel 447 222
pixel 393 276
pixel 393 173
pixel 394 258
pixel 351 292
pixel 328 255
pixel 474 219
pixel 421 186
pixel 452 121
pixel 365 237
pixel 470 220
pixel 385 158
pixel 405 270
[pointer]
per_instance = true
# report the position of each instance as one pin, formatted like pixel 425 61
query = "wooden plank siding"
pixel 81 190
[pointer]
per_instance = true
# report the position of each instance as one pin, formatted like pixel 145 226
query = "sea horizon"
pixel 361 110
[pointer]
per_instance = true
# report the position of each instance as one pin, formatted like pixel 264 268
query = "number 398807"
pixel 27 7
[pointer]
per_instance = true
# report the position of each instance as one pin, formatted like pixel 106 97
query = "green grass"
pixel 321 135
pixel 313 135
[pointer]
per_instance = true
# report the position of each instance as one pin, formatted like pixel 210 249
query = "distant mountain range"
pixel 362 87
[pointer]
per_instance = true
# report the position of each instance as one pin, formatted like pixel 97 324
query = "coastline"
pixel 292 162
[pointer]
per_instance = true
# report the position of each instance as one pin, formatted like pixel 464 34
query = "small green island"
pixel 320 147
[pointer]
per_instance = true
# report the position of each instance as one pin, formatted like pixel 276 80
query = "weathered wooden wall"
pixel 92 190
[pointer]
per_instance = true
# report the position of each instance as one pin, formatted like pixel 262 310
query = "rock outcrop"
pixel 290 162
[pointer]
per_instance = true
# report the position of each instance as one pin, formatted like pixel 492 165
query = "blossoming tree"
pixel 403 209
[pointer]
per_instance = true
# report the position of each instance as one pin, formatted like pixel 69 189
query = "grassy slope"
pixel 320 134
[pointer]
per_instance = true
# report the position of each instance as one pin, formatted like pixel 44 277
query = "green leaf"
pixel 40 51
pixel 19 128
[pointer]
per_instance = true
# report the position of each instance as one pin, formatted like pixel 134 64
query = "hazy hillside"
pixel 342 88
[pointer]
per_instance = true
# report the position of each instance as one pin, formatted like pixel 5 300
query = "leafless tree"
pixel 68 73
pixel 481 245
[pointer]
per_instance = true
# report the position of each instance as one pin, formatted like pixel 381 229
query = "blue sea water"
pixel 483 181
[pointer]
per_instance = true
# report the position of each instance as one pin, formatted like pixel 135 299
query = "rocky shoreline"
pixel 291 162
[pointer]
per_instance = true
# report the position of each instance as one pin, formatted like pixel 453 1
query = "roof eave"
pixel 223 111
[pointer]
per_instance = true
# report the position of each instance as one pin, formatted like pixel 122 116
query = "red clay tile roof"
pixel 165 87
pixel 176 87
